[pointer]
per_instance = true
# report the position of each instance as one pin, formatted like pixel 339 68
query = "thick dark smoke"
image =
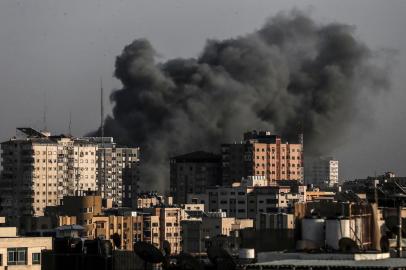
pixel 291 75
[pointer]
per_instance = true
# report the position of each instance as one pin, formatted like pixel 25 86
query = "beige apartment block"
pixel 154 225
pixel 21 252
pixel 39 169
pixel 262 154
pixel 169 225
pixel 117 171
pixel 147 200
pixel 217 223
pixel 130 229
pixel 80 209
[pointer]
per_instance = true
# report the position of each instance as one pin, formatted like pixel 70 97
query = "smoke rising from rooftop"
pixel 291 75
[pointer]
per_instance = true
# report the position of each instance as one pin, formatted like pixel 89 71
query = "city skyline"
pixel 26 92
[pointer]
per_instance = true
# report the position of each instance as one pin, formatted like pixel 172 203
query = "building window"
pixel 17 256
pixel 36 258
pixel 1 259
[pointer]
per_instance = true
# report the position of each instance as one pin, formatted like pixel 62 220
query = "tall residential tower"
pixel 262 154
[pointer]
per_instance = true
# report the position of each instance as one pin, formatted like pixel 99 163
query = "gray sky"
pixel 61 48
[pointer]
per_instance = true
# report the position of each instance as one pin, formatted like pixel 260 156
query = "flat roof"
pixel 368 264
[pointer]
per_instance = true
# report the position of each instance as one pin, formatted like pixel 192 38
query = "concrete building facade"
pixel 21 252
pixel 321 171
pixel 117 171
pixel 153 225
pixel 193 173
pixel 262 154
pixel 242 201
pixel 212 225
pixel 39 169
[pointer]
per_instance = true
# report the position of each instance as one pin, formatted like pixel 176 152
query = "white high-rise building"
pixel 321 171
pixel 117 171
pixel 40 169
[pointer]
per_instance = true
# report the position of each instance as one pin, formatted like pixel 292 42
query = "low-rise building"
pixel 212 225
pixel 149 199
pixel 21 252
pixel 241 201
pixel 80 210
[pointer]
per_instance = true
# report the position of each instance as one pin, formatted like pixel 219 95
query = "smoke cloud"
pixel 293 75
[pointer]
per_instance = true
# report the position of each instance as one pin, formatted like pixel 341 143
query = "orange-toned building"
pixel 262 154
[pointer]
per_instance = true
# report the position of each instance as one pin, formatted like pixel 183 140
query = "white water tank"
pixel 337 229
pixel 358 230
pixel 246 253
pixel 313 230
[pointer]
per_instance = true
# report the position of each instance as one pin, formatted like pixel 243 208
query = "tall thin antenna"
pixel 44 119
pixel 70 123
pixel 101 110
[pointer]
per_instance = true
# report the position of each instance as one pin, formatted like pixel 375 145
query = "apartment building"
pixel 39 169
pixel 80 210
pixel 148 199
pixel 241 201
pixel 193 173
pixel 152 225
pixel 216 223
pixel 195 233
pixel 321 171
pixel 21 252
pixel 274 199
pixel 130 228
pixel 262 154
pixel 169 225
pixel 231 200
pixel 117 171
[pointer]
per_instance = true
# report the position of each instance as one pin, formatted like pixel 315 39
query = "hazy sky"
pixel 61 48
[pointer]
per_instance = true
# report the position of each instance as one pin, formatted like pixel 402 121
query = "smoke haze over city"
pixel 62 49
pixel 292 75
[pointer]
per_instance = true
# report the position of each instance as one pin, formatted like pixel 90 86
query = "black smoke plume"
pixel 291 75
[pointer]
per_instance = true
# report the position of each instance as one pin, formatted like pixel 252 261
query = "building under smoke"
pixel 291 75
pixel 262 154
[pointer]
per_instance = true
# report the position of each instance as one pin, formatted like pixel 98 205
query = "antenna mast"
pixel 101 111
pixel 44 119
pixel 70 123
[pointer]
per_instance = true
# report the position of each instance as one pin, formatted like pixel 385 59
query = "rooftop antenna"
pixel 70 124
pixel 101 111
pixel 103 153
pixel 44 119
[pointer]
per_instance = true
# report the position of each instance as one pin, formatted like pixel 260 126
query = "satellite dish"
pixel 148 252
pixel 116 240
pixel 221 258
pixel 347 245
pixel 166 246
pixel 186 261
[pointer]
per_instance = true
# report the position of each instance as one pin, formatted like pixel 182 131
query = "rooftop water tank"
pixel 313 230
pixel 337 229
